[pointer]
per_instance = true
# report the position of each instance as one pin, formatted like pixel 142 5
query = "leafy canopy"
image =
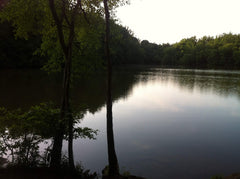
pixel 31 18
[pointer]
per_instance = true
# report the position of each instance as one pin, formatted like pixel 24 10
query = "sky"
pixel 169 21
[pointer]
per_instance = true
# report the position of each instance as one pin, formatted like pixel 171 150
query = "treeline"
pixel 207 52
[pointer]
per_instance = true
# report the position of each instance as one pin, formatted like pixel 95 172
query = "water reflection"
pixel 219 82
pixel 173 124
pixel 22 134
pixel 27 137
pixel 168 123
pixel 31 87
pixel 23 89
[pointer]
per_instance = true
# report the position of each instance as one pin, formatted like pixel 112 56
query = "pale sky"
pixel 169 21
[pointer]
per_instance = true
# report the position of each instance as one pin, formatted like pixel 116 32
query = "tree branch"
pixel 58 24
pixel 64 12
pixel 84 13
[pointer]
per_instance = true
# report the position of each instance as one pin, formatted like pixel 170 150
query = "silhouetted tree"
pixel 112 157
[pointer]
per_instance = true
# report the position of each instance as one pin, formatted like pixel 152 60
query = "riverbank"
pixel 48 173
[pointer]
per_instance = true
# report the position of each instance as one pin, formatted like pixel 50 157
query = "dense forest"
pixel 18 53
pixel 222 52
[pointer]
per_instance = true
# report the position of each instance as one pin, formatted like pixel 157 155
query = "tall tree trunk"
pixel 69 113
pixel 112 157
pixel 65 106
pixel 58 138
pixel 64 115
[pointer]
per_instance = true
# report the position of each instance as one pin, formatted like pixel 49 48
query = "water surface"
pixel 168 123
pixel 172 124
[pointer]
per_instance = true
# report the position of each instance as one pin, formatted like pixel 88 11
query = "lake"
pixel 168 123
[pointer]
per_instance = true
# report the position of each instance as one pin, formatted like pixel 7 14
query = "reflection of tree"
pixel 23 132
pixel 223 84
pixel 20 89
pixel 91 96
pixel 88 93
pixel 25 88
pixel 112 156
pixel 24 150
pixel 219 82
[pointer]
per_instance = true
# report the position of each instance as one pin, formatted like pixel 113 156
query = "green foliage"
pixel 39 119
pixel 33 21
pixel 150 51
pixel 207 52
pixel 84 133
pixel 125 48
pixel 28 17
pixel 34 18
pixel 21 132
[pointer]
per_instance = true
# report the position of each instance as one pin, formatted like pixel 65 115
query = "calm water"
pixel 168 123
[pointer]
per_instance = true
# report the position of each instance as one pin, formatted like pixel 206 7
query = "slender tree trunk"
pixel 112 157
pixel 70 144
pixel 56 150
pixel 58 138
pixel 69 116
pixel 65 114
pixel 67 50
pixel 65 105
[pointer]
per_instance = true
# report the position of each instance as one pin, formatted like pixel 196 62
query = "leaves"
pixel 39 120
pixel 21 132
pixel 84 133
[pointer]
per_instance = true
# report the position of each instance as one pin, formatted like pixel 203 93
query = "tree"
pixel 63 17
pixel 112 157
pixel 59 23
pixel 22 132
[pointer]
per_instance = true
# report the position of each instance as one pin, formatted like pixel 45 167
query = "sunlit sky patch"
pixel 169 21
